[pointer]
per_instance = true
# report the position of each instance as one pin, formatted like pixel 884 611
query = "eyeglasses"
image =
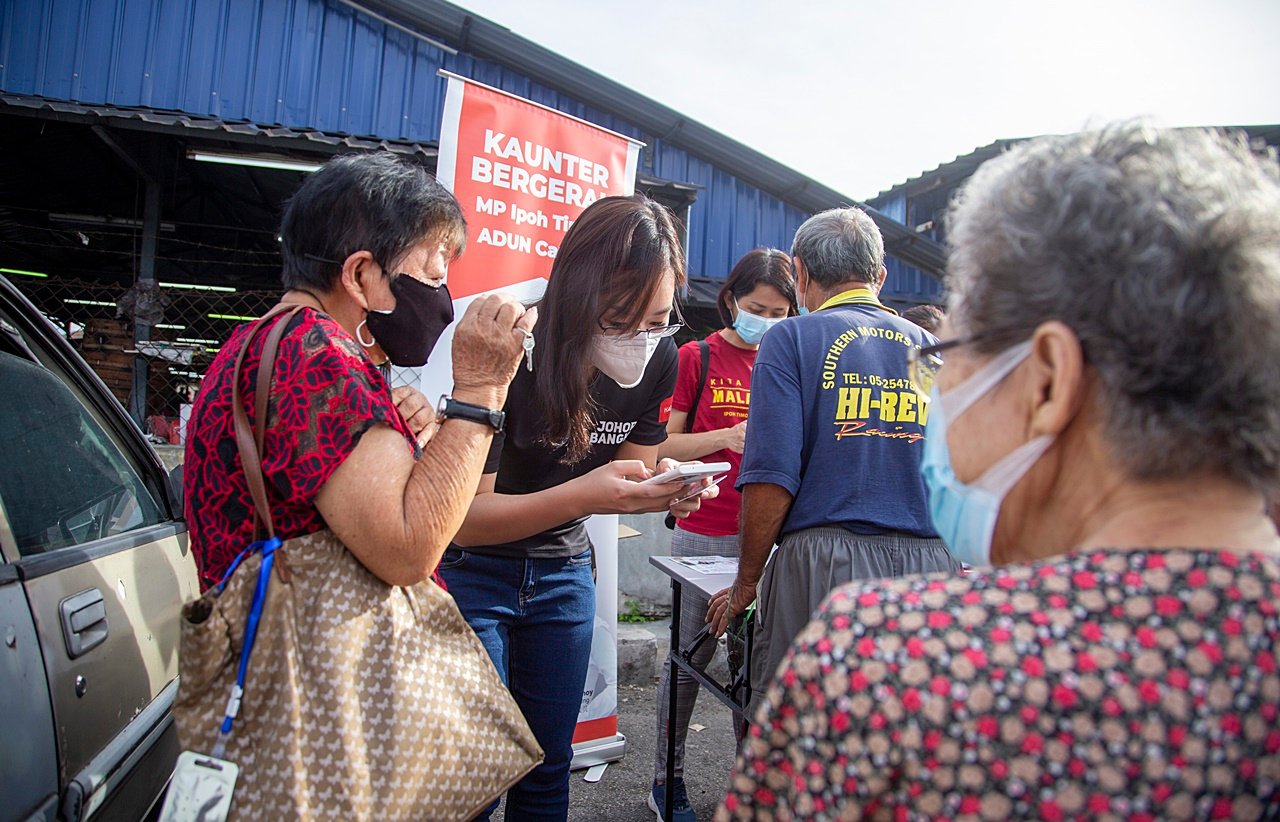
pixel 654 332
pixel 923 364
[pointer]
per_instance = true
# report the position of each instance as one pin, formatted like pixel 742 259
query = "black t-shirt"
pixel 524 464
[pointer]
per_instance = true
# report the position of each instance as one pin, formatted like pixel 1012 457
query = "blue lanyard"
pixel 268 548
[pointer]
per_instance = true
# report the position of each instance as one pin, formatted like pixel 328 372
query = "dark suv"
pixel 94 568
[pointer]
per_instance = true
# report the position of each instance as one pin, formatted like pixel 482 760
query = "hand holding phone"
pixel 689 472
pixel 699 490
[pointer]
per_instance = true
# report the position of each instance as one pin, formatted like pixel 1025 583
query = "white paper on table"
pixel 710 565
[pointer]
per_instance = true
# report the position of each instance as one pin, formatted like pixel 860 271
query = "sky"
pixel 864 94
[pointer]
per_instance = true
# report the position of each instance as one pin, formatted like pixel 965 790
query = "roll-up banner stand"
pixel 523 173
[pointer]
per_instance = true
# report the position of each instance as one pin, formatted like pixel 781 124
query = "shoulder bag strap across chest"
pixel 704 349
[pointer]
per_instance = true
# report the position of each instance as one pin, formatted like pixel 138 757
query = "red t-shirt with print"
pixel 723 404
pixel 325 394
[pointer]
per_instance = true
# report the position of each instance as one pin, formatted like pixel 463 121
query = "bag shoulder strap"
pixel 704 349
pixel 249 442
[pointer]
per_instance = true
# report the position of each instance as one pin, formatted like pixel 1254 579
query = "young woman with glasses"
pixel 585 415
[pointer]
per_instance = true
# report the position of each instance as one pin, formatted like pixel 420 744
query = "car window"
pixel 63 480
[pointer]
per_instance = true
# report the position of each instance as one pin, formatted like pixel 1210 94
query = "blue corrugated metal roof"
pixel 323 66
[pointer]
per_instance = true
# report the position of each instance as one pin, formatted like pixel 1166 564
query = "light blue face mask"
pixel 965 514
pixel 751 327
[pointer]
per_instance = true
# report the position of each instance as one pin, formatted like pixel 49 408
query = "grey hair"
pixel 1161 250
pixel 839 245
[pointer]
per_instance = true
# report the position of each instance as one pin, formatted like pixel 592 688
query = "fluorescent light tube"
pixel 194 287
pixel 253 160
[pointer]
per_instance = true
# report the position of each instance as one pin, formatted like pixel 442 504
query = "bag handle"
pixel 704 355
pixel 249 442
pixel 704 352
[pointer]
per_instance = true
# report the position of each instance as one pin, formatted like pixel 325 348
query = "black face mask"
pixel 408 332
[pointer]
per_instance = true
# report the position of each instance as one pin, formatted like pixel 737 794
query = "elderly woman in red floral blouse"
pixel 367 242
pixel 1105 433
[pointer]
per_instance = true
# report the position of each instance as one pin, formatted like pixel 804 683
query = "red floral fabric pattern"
pixel 1133 685
pixel 325 395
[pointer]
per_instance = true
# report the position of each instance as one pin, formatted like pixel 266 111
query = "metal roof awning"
pixel 177 122
pixel 702 291
pixel 953 172
pixel 750 165
pixel 950 172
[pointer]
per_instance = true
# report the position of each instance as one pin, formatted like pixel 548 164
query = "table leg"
pixel 673 670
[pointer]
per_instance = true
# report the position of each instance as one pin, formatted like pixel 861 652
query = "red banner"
pixel 523 173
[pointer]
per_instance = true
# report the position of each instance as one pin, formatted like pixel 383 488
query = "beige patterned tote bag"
pixel 361 700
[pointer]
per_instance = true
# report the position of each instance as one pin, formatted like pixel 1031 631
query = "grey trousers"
pixel 807 566
pixel 693 617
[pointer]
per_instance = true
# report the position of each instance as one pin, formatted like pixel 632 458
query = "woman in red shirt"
pixel 710 426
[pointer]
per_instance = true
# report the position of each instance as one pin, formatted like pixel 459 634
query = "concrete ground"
pixel 621 794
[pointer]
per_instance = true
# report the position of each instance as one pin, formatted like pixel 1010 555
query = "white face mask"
pixel 623 358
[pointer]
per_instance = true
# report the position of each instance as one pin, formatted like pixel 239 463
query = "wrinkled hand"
pixel 417 411
pixel 727 604
pixel 735 438
pixel 489 342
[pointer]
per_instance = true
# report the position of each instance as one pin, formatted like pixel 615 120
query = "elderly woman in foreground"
pixel 1105 432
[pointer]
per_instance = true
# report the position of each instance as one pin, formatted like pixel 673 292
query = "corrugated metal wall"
pixel 322 64
pixel 905 282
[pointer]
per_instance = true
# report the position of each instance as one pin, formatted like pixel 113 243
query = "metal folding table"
pixel 737 693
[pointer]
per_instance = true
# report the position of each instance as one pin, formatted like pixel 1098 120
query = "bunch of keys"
pixel 528 348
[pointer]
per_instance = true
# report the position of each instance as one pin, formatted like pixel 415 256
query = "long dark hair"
pixel 611 262
pixel 763 266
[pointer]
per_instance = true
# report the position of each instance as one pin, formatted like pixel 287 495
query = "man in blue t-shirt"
pixel 830 471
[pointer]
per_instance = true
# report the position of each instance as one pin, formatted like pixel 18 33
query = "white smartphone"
pixel 699 490
pixel 690 472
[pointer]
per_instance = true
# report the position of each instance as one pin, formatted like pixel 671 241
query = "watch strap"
pixel 449 408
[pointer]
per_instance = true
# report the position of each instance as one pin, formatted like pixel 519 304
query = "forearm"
pixel 496 518
pixel 684 447
pixel 397 515
pixel 764 510
pixel 443 482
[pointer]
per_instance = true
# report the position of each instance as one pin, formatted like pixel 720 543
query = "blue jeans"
pixel 535 617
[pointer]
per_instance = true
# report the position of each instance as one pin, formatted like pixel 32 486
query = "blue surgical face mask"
pixel 801 307
pixel 965 514
pixel 751 327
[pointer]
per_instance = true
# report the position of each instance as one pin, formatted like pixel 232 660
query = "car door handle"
pixel 84 621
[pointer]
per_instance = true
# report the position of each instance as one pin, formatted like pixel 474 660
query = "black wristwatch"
pixel 449 408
